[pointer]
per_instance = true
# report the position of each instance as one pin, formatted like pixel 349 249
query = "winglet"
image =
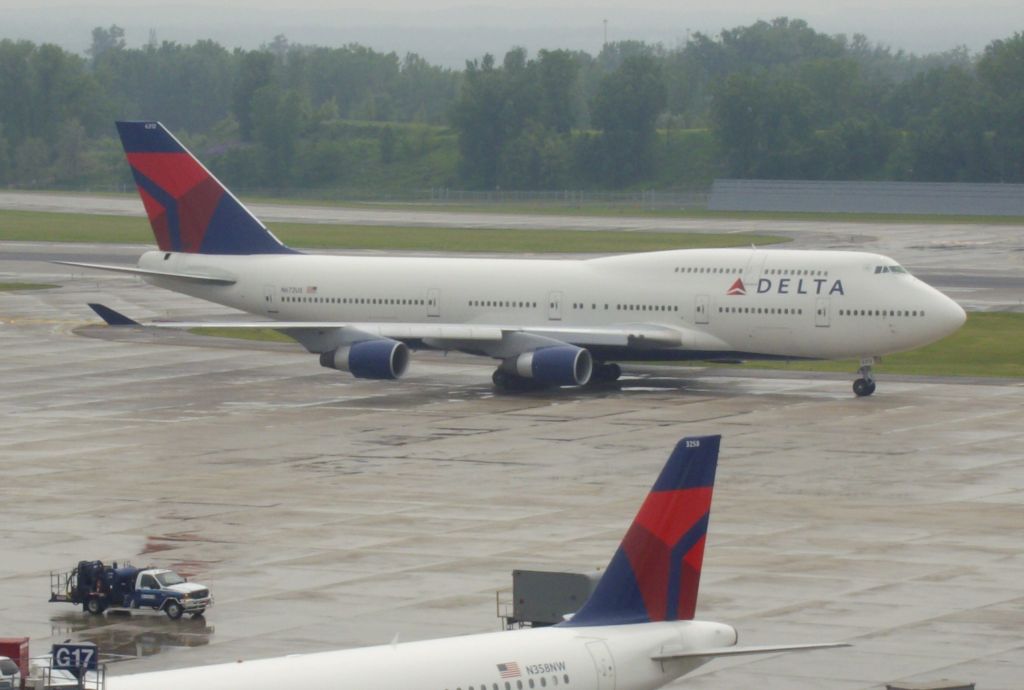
pixel 113 318
pixel 655 573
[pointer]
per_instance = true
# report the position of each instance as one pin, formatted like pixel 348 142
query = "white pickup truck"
pixel 98 587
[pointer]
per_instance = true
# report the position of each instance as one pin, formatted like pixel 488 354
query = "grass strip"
pixel 12 287
pixel 62 227
pixel 989 344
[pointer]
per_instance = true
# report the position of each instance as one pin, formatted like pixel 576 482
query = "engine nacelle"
pixel 381 358
pixel 565 365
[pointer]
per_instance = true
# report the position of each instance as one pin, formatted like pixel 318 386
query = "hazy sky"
pixel 450 31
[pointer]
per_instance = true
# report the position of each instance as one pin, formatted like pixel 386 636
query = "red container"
pixel 16 648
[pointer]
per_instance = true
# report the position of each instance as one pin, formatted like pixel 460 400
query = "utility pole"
pixel 605 33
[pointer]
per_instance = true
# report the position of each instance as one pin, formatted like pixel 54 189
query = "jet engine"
pixel 381 358
pixel 562 365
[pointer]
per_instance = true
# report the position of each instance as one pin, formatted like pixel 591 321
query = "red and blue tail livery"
pixel 655 573
pixel 189 209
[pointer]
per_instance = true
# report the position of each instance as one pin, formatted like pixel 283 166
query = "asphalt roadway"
pixel 326 512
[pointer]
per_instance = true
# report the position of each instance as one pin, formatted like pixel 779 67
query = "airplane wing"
pixel 436 333
pixel 739 651
pixel 188 277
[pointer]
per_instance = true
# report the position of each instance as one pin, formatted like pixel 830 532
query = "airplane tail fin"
pixel 655 573
pixel 188 208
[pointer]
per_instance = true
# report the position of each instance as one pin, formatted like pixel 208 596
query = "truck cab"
pixel 168 591
pixel 98 587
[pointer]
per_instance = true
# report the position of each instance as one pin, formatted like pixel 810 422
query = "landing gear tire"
pixel 606 373
pixel 502 381
pixel 863 387
pixel 510 383
pixel 174 610
pixel 95 606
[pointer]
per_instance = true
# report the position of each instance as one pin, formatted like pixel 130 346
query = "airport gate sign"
pixel 76 658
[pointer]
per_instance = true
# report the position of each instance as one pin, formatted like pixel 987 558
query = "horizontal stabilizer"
pixel 113 318
pixel 740 651
pixel 188 277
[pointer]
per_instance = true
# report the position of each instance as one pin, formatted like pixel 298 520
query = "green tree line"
pixel 775 99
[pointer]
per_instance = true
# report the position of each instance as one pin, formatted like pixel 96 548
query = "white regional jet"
pixel 635 632
pixel 550 322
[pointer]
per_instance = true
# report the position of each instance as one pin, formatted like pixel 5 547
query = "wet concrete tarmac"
pixel 326 512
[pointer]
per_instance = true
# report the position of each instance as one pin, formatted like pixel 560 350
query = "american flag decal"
pixel 311 290
pixel 509 669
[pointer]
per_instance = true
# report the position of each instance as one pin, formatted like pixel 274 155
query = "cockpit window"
pixel 893 268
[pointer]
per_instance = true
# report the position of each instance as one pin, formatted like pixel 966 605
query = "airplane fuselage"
pixel 589 658
pixel 722 302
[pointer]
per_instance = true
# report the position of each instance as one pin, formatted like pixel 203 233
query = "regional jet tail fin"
pixel 188 208
pixel 655 573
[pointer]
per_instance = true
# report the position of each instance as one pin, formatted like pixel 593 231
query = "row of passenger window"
pixel 508 304
pixel 354 300
pixel 542 682
pixel 628 307
pixel 704 269
pixel 793 272
pixel 646 307
pixel 767 271
pixel 882 312
pixel 760 310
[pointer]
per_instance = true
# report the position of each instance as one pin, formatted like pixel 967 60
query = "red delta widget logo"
pixel 791 286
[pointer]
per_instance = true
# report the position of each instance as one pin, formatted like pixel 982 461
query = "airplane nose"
pixel 955 315
pixel 945 316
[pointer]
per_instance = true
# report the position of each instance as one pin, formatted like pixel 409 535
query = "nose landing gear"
pixel 865 385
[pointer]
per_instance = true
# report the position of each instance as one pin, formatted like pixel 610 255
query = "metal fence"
pixel 646 199
pixel 941 198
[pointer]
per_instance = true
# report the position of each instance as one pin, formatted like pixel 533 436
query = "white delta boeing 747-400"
pixel 550 322
pixel 635 632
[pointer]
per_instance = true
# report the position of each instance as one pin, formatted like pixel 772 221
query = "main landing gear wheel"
pixel 510 383
pixel 865 385
pixel 605 372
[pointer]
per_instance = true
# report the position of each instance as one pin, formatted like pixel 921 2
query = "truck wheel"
pixel 174 610
pixel 95 606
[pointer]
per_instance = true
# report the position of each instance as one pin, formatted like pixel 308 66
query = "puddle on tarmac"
pixel 122 635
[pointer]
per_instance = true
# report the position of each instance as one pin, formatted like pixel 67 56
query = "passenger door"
pixel 433 303
pixel 554 306
pixel 603 664
pixel 702 310
pixel 270 299
pixel 822 318
pixel 147 592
